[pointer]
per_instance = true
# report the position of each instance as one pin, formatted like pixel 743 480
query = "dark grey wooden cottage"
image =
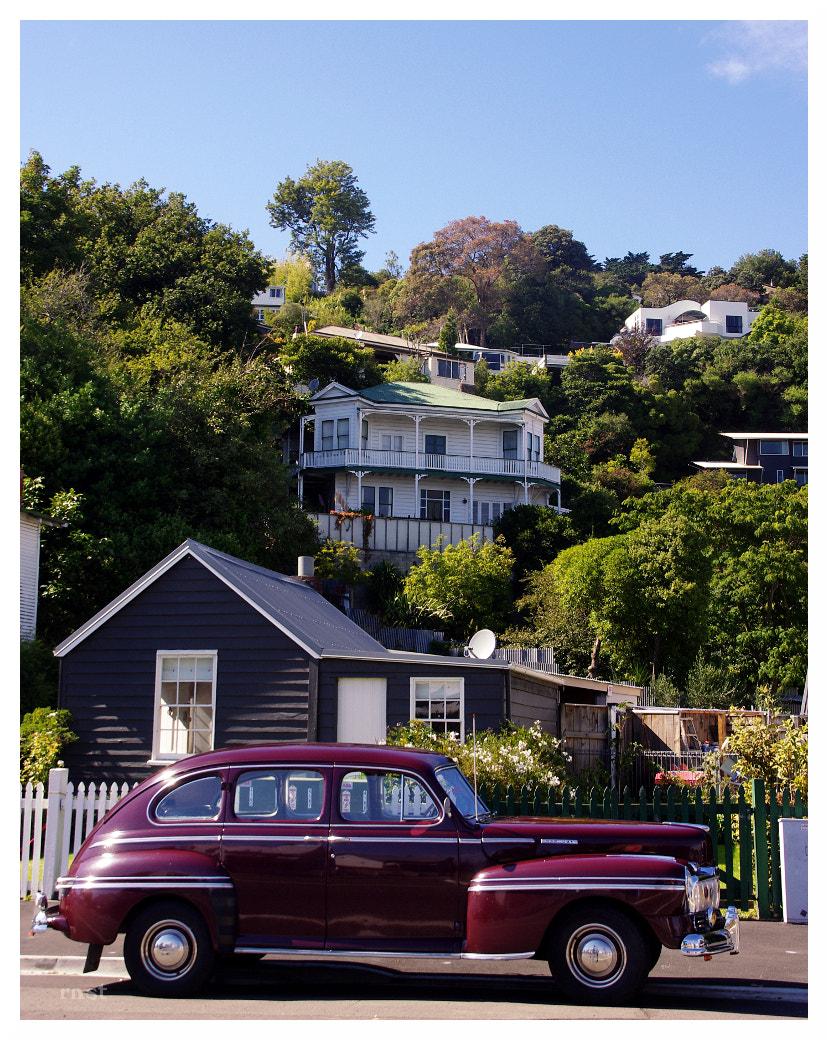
pixel 206 650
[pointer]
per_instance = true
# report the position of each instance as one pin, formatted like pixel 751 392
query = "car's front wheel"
pixel 167 950
pixel 598 954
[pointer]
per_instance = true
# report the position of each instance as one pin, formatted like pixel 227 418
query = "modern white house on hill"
pixel 686 318
pixel 423 454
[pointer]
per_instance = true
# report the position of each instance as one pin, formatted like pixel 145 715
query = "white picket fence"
pixel 54 822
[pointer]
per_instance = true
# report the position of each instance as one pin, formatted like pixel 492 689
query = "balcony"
pixel 409 462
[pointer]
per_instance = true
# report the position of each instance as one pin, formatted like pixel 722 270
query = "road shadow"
pixel 333 981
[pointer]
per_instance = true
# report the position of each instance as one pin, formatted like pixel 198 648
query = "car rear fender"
pixel 511 906
pixel 100 899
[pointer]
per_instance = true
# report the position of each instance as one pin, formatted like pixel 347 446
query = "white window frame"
pixel 162 757
pixel 769 448
pixel 434 683
pixel 327 428
pixel 343 434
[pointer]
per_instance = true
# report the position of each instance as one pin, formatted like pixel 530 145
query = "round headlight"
pixel 702 891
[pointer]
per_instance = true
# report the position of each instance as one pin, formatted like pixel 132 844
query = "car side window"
pixel 198 799
pixel 385 798
pixel 279 794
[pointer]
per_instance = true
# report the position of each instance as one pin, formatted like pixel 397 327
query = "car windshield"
pixel 461 793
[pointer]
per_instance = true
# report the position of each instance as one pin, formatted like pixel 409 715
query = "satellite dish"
pixel 314 385
pixel 481 645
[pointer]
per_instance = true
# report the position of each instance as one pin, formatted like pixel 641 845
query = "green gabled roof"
pixel 422 394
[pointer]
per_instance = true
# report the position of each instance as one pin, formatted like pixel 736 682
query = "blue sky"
pixel 651 136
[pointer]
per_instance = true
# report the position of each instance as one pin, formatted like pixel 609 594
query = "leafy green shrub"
pixel 776 754
pixel 44 733
pixel 339 561
pixel 516 757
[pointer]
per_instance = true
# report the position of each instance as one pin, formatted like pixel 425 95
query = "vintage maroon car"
pixel 298 849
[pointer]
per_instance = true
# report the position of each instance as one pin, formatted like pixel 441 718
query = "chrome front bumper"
pixel 723 938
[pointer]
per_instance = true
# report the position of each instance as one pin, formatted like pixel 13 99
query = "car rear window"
pixel 198 799
pixel 279 794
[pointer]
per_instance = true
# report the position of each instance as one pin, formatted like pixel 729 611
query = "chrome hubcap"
pixel 596 956
pixel 168 949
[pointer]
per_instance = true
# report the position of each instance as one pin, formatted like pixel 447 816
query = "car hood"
pixel 514 838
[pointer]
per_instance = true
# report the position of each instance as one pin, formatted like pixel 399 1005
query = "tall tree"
pixel 140 436
pixel 677 264
pixel 326 213
pixel 141 248
pixel 483 254
pixel 759 271
pixel 560 248
pixel 51 224
pixel 631 269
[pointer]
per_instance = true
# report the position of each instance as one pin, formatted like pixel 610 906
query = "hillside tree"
pixel 327 213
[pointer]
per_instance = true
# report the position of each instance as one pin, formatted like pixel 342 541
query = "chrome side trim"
pixel 543 884
pixel 281 952
pixel 274 839
pixel 423 840
pixel 143 882
pixel 497 956
pixel 158 839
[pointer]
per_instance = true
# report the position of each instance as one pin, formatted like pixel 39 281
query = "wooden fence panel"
pixel 54 836
pixel 32 805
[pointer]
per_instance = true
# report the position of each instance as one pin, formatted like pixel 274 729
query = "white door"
pixel 360 716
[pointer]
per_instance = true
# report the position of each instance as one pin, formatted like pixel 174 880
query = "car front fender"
pixel 511 906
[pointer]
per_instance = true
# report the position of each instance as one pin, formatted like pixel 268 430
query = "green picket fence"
pixel 744 827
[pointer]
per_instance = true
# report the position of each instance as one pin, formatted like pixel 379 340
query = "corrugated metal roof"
pixel 288 603
pixel 429 394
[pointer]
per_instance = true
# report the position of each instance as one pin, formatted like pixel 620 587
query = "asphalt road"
pixel 766 981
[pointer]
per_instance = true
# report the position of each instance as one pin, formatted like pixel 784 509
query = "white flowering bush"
pixel 516 757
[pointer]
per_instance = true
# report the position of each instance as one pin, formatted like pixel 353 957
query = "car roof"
pixel 314 754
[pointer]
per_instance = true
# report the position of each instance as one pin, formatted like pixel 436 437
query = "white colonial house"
pixel 686 318
pixel 425 454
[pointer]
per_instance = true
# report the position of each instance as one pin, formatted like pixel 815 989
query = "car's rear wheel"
pixel 168 951
pixel 598 954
